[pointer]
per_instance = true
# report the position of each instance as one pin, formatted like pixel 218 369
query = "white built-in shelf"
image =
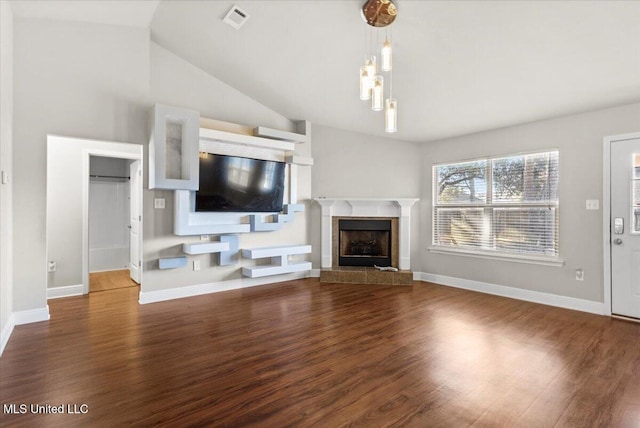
pixel 227 248
pixel 298 160
pixel 268 270
pixel 172 262
pixel 259 225
pixel 286 250
pixel 173 148
pixel 249 140
pixel 205 247
pixel 262 131
pixel 280 263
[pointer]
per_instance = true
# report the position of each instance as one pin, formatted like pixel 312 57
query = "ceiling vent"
pixel 236 17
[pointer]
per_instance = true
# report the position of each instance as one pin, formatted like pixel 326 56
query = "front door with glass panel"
pixel 625 227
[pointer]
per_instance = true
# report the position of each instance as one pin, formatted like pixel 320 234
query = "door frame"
pixel 606 212
pixel 109 150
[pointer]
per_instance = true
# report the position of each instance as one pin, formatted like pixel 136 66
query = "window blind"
pixel 507 204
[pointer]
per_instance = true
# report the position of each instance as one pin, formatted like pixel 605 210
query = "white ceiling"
pixel 459 66
pixel 130 13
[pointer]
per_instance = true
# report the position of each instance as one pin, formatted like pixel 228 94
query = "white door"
pixel 135 220
pixel 625 227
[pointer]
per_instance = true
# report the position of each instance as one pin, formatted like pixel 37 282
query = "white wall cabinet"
pixel 173 148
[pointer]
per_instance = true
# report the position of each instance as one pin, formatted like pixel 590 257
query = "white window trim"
pixel 492 255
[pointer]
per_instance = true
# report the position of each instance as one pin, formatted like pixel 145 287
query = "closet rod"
pixel 108 176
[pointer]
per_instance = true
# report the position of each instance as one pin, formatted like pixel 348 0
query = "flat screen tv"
pixel 237 184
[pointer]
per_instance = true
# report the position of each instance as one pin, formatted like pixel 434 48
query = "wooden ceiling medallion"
pixel 379 13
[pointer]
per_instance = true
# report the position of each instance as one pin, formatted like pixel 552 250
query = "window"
pixel 503 205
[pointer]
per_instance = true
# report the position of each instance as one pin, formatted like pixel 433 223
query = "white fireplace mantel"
pixel 372 207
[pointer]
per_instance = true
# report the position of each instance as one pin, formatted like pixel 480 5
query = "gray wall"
pixel 6 164
pixel 350 164
pixel 580 141
pixel 71 79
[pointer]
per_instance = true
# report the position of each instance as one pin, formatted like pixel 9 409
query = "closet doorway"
pixel 67 229
pixel 113 223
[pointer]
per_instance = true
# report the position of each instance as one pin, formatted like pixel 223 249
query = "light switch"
pixel 5 177
pixel 158 203
pixel 593 204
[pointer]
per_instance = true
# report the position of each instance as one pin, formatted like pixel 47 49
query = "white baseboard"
pixel 214 287
pixel 66 291
pixel 314 273
pixel 514 293
pixel 6 333
pixel 32 315
pixel 19 318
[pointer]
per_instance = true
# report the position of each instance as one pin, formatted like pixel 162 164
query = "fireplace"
pixel 398 210
pixel 364 242
pixel 350 249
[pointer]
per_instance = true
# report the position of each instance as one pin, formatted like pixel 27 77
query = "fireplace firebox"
pixel 364 242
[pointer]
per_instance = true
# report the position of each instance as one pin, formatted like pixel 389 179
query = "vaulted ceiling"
pixel 459 67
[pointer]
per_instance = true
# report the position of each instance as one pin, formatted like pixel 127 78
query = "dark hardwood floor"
pixel 307 354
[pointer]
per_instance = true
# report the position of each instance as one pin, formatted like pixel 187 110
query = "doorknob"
pixel 617 241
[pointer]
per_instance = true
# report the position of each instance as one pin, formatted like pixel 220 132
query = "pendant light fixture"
pixel 378 14
pixel 377 93
pixel 391 115
pixel 386 55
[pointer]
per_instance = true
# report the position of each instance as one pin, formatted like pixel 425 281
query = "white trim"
pixel 6 333
pixel 366 207
pixel 314 273
pixel 606 213
pixel 213 287
pixel 516 293
pixel 31 315
pixel 66 291
pixel 111 150
pixel 503 257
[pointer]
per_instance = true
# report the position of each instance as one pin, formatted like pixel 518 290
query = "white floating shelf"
pixel 264 252
pixel 298 160
pixel 268 270
pixel 172 262
pixel 249 140
pixel 263 131
pixel 279 260
pixel 259 225
pixel 205 247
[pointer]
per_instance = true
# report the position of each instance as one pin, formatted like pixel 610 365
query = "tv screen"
pixel 236 184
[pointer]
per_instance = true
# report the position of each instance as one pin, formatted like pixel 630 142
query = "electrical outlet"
pixel 579 274
pixel 158 203
pixel 51 267
pixel 204 237
pixel 196 265
pixel 593 204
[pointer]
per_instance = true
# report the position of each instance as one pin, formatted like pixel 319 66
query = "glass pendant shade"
pixel 386 56
pixel 377 93
pixel 372 67
pixel 391 116
pixel 365 84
